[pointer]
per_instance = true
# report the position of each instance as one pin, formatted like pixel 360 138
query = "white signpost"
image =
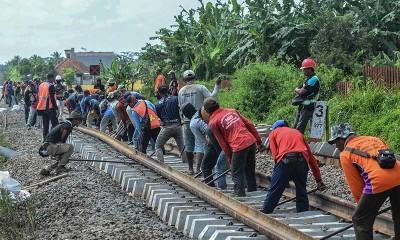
pixel 318 120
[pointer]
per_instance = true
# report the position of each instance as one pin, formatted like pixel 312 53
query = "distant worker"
pixel 160 80
pixel 31 101
pixel 72 99
pixel 47 105
pixel 55 144
pixel 195 94
pixel 373 175
pixel 239 140
pixel 167 109
pixel 173 85
pixel 99 85
pixel 144 117
pixel 292 156
pixel 60 89
pixel 10 94
pixel 308 93
pixel 111 85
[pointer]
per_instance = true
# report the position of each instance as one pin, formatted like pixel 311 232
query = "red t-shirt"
pixel 233 131
pixel 283 140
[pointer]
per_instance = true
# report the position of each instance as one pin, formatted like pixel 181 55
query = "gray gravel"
pixel 86 205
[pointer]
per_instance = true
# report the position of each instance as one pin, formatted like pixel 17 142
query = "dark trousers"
pixel 27 109
pixel 49 116
pixel 368 208
pixel 210 158
pixel 243 168
pixel 145 138
pixel 208 163
pixel 302 118
pixel 280 178
pixel 130 130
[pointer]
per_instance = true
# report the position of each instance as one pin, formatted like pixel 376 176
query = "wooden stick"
pixel 47 181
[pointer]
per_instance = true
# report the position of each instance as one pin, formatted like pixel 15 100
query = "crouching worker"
pixel 55 146
pixel 292 156
pixel 373 175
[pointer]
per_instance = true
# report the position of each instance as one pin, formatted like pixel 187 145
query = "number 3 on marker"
pixel 320 111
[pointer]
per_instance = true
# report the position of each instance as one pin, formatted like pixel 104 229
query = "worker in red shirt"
pixel 292 156
pixel 239 140
pixel 371 180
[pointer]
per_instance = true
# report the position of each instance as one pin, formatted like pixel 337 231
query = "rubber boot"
pixel 189 157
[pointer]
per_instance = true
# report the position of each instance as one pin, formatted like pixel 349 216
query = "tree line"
pixel 226 36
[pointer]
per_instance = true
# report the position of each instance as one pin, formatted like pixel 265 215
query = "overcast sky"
pixel 42 27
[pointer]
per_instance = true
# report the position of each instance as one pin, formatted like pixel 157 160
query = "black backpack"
pixel 145 124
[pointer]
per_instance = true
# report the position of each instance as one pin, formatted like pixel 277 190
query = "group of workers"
pixel 216 139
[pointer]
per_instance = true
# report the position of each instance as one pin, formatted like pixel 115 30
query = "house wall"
pixel 94 60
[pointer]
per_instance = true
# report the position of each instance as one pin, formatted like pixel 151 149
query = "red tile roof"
pixel 71 63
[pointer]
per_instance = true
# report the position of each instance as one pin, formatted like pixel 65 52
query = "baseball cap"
pixel 188 74
pixel 279 123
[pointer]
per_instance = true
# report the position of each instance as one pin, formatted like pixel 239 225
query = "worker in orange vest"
pixel 111 85
pixel 47 105
pixel 144 118
pixel 160 80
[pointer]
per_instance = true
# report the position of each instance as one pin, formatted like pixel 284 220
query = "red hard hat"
pixel 308 63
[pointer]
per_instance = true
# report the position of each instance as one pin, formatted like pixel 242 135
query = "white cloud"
pixel 42 27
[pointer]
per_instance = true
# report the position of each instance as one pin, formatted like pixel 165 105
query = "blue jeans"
pixel 188 138
pixel 222 166
pixel 280 178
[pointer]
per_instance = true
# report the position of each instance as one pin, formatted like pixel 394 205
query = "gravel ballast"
pixel 87 204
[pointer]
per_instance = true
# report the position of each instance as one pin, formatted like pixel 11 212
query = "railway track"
pixel 202 212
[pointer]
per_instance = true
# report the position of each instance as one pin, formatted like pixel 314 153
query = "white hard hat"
pixel 188 74
pixel 58 78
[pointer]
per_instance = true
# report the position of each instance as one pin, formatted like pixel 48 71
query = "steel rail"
pixel 336 206
pixel 255 219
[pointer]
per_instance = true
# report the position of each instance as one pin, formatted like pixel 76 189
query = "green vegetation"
pixel 68 75
pixel 263 93
pixel 260 44
pixel 3 143
pixel 17 219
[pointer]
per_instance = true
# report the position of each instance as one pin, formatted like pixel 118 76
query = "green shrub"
pixel 257 88
pixel 373 111
pixel 3 143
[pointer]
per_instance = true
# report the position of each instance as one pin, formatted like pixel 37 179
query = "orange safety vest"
pixel 44 96
pixel 93 91
pixel 141 110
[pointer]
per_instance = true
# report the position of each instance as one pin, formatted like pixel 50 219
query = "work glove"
pixel 321 186
pixel 261 148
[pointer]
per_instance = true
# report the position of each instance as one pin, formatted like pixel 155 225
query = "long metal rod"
pixel 293 198
pixel 255 219
pixel 220 176
pixel 349 226
pixel 208 177
pixel 334 205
